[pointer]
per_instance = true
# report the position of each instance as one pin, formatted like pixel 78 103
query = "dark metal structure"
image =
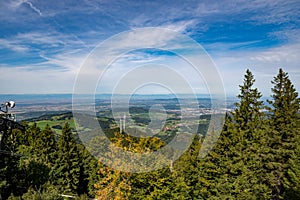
pixel 8 122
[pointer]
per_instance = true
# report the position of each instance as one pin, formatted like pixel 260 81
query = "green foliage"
pixel 88 166
pixel 233 169
pixel 31 173
pixel 46 146
pixel 152 185
pixel 49 193
pixel 285 102
pixel 10 176
pixel 185 172
pixel 66 170
pixel 36 172
pixel 247 113
pixel 283 132
pixel 292 180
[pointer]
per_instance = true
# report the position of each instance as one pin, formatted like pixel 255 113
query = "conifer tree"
pixel 284 118
pixel 247 113
pixel 185 173
pixel 33 133
pixel 292 180
pixel 87 165
pixel 232 168
pixel 66 171
pixel 40 156
pixel 249 127
pixel 285 104
pixel 46 146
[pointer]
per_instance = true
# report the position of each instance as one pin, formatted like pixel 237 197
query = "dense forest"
pixel 257 157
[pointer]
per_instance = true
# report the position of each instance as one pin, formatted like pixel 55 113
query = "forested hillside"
pixel 257 157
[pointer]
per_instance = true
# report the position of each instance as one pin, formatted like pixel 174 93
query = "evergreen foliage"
pixel 66 170
pixel 257 156
pixel 283 132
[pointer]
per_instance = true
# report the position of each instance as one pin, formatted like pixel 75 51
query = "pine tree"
pixel 46 146
pixel 185 173
pixel 283 110
pixel 285 104
pixel 87 165
pixel 66 171
pixel 249 127
pixel 156 184
pixel 40 156
pixel 247 114
pixel 232 169
pixel 10 176
pixel 292 180
pixel 33 132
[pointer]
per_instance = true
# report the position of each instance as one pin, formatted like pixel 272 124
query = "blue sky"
pixel 44 43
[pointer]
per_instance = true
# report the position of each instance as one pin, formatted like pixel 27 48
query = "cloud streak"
pixel 12 45
pixel 35 9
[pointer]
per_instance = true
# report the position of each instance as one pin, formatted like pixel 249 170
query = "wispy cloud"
pixel 259 11
pixel 43 46
pixel 12 45
pixel 16 4
pixel 35 9
pixel 68 62
pixel 53 39
pixel 263 62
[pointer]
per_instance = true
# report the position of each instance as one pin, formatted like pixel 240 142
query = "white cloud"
pixel 180 26
pixel 16 4
pixel 41 38
pixel 264 63
pixel 12 45
pixel 35 9
pixel 52 41
pixel 67 61
pixel 50 38
pixel 261 11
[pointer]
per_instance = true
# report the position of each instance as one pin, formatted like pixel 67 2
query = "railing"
pixel 9 116
pixel 8 121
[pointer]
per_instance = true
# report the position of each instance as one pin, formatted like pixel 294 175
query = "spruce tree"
pixel 247 113
pixel 185 173
pixel 46 146
pixel 232 169
pixel 33 133
pixel 249 127
pixel 292 180
pixel 66 171
pixel 283 120
pixel 87 164
pixel 284 104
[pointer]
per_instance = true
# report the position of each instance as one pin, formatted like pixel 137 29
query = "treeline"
pixel 44 166
pixel 257 157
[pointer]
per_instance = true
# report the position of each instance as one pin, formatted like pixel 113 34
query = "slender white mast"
pixel 121 125
pixel 124 122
